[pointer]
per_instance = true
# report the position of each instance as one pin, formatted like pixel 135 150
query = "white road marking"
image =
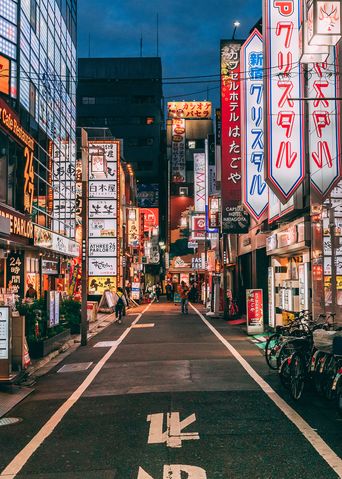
pixel 331 458
pixel 15 466
pixel 143 325
pixel 174 471
pixel 105 344
pixel 173 436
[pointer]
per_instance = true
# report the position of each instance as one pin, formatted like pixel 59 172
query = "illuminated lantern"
pixel 311 53
pixel 324 22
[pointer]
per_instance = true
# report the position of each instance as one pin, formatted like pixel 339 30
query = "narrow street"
pixel 109 421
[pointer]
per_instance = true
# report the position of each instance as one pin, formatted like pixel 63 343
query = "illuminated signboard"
pixel 254 188
pixel 324 125
pixel 133 227
pixel 199 181
pixel 234 218
pixel 284 116
pixel 103 214
pixel 189 109
pixel 178 169
pixel 4 75
pixel 324 22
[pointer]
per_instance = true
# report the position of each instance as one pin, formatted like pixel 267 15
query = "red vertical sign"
pixel 234 218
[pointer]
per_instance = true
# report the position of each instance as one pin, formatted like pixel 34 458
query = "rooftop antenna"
pixel 141 45
pixel 157 34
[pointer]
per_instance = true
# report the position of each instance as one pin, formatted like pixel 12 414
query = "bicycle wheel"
pixel 286 350
pixel 297 376
pixel 272 349
pixel 329 373
pixel 317 375
pixel 284 372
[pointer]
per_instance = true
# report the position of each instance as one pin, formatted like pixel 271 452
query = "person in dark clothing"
pixel 168 292
pixel 158 291
pixel 120 304
pixel 31 293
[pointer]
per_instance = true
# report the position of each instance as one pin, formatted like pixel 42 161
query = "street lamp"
pixel 236 24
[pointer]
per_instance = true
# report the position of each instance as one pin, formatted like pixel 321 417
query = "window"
pixel 88 100
pixel 67 80
pixel 32 106
pixel 33 15
pixel 150 120
pixel 143 99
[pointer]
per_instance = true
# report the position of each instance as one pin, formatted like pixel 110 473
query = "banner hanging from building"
pixel 254 188
pixel 103 214
pixel 178 164
pixel 324 125
pixel 284 82
pixel 234 218
pixel 200 181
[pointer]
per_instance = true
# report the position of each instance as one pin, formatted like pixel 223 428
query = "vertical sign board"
pixel 103 209
pixel 324 125
pixel 15 274
pixel 234 219
pixel 254 188
pixel 284 81
pixel 255 311
pixel 5 359
pixel 178 164
pixel 200 181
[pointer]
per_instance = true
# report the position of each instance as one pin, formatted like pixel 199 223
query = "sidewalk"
pixel 12 395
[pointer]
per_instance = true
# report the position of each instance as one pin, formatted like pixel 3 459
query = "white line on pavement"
pixel 308 432
pixel 15 466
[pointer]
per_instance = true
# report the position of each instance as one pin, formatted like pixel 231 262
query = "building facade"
pixel 37 141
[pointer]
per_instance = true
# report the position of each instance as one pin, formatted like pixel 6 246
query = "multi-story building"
pixel 125 95
pixel 37 139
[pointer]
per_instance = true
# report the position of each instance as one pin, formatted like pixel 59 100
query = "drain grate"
pixel 8 421
pixel 74 367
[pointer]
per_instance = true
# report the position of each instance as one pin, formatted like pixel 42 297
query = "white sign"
pixel 102 247
pixel 324 125
pixel 199 182
pixel 176 471
pixel 103 208
pixel 102 228
pixel 254 188
pixel 136 291
pixel 173 435
pixel 284 116
pixel 103 189
pixel 4 329
pixel 102 267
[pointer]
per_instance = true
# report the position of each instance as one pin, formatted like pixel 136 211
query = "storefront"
pixel 289 285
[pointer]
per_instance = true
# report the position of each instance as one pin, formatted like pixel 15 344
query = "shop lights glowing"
pixel 324 22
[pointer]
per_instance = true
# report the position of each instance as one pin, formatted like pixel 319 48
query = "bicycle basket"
pixel 323 340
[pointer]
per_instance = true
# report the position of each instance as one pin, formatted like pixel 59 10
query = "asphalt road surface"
pixel 169 396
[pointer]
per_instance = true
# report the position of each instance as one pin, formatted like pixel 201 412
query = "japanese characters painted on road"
pixel 178 164
pixel 197 227
pixel 172 436
pixel 234 217
pixel 189 109
pixel 255 311
pixel 200 182
pixel 284 142
pixel 103 207
pixel 176 471
pixel 254 188
pixel 324 125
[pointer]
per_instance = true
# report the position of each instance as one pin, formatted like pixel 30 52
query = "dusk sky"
pixel 189 35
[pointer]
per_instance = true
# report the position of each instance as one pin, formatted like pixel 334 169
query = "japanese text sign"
pixel 189 109
pixel 284 116
pixel 178 151
pixel 234 220
pixel 324 125
pixel 254 188
pixel 255 311
pixel 200 181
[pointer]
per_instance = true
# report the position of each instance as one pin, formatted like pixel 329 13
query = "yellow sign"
pixel 97 285
pixel 189 109
pixel 29 180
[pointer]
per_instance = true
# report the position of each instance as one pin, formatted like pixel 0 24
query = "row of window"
pixel 117 120
pixel 109 100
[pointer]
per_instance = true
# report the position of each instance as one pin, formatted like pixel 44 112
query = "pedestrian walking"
pixel 183 290
pixel 168 292
pixel 120 304
pixel 158 291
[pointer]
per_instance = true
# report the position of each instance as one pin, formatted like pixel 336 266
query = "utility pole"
pixel 85 155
